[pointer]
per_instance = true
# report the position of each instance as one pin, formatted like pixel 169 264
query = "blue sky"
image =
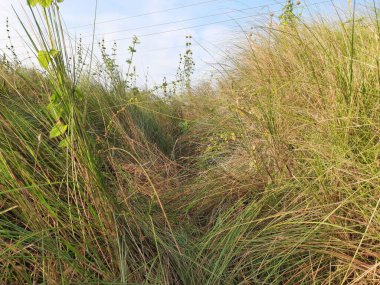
pixel 215 25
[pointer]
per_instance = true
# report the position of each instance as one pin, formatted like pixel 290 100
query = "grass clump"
pixel 292 196
pixel 270 176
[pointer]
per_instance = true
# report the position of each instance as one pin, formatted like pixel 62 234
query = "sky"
pixel 216 27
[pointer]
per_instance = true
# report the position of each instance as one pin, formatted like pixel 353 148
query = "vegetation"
pixel 269 176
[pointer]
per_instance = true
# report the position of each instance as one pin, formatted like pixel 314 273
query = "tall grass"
pixel 271 176
pixel 291 195
pixel 79 212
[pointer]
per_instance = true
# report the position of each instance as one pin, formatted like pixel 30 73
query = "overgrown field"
pixel 271 175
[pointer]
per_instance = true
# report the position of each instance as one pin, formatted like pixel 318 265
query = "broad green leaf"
pixel 64 143
pixel 58 130
pixel 45 3
pixel 44 58
pixel 60 1
pixel 54 53
pixel 33 2
pixel 55 110
pixel 55 98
